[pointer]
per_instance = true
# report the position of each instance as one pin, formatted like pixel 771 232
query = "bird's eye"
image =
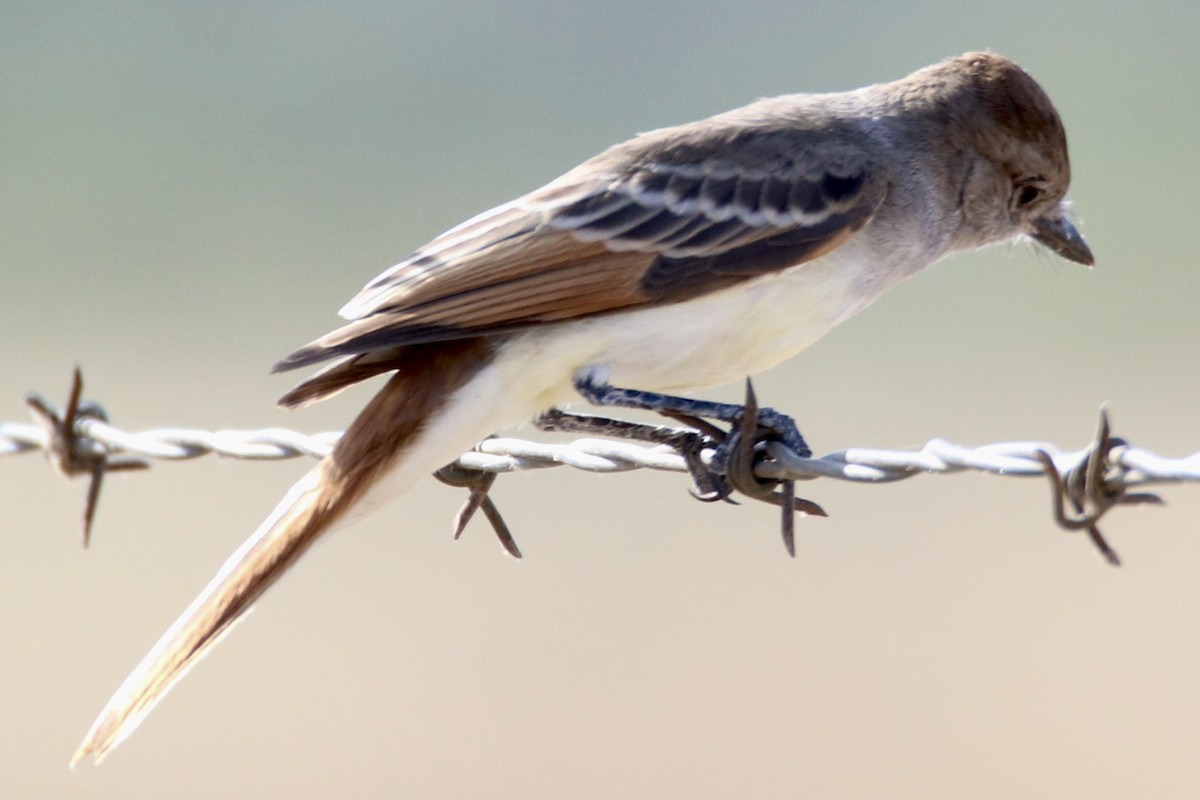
pixel 1025 194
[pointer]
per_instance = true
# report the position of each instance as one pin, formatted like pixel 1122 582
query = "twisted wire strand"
pixel 1139 467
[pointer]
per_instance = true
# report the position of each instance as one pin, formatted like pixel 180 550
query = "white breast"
pixel 714 339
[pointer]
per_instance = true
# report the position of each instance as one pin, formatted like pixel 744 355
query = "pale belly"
pixel 715 339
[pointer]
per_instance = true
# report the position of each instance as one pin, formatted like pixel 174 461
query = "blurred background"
pixel 189 191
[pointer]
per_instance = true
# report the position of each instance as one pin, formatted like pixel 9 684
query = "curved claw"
pixel 724 494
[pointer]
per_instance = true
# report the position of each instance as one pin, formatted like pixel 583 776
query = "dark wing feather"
pixel 635 226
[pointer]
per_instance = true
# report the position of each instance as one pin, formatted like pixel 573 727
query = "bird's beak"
pixel 1057 233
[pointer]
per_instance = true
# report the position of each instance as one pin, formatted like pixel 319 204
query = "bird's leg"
pixel 779 427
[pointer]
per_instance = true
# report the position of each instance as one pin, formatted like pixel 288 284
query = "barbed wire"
pixel 1086 482
pixel 502 455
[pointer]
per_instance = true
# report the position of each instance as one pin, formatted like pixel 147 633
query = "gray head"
pixel 1013 170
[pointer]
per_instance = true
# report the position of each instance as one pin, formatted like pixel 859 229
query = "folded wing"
pixel 615 233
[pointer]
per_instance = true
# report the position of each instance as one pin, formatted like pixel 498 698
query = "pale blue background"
pixel 188 191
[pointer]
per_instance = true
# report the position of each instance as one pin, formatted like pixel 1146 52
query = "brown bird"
pixel 685 257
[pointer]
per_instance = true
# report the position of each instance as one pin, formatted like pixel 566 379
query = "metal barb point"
pixel 1093 487
pixel 71 452
pixel 477 483
pixel 742 451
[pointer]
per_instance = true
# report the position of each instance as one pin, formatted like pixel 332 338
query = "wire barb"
pixel 74 454
pixel 1093 486
pixel 477 483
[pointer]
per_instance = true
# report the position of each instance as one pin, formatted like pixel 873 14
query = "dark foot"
pixel 690 442
pixel 738 452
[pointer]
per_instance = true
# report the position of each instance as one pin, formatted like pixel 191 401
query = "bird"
pixel 683 258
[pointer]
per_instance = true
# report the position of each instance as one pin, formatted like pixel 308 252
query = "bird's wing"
pixel 616 232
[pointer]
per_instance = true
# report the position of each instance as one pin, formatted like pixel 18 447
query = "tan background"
pixel 188 191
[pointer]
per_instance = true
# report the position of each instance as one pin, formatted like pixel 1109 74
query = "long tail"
pixel 381 440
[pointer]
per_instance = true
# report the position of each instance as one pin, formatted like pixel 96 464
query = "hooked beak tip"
pixel 1060 236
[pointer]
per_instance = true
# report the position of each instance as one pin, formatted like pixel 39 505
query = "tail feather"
pixel 341 374
pixel 372 445
pixel 298 521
